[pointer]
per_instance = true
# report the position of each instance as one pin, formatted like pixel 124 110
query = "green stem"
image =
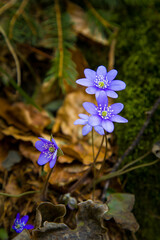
pixel 18 195
pixel 94 166
pixel 135 161
pixel 45 188
pixel 105 155
pixel 118 173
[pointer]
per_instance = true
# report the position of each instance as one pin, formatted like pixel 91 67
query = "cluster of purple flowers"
pixel 102 116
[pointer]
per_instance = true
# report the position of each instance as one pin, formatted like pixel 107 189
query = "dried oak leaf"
pixel 89 225
pixel 82 26
pixel 120 206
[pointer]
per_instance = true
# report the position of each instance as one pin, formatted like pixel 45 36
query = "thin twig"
pixel 7 6
pixel 60 38
pixel 11 49
pixel 18 195
pixel 16 15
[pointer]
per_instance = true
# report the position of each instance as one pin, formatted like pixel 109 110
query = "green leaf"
pixel 120 206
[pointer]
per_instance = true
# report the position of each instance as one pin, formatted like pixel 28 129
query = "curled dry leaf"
pixel 81 25
pixel 89 225
pixel 49 212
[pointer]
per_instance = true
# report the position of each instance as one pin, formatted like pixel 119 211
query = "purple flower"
pixel 49 150
pixel 104 115
pixel 101 80
pixel 20 224
pixel 87 128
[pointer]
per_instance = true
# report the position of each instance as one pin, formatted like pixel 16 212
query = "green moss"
pixel 138 62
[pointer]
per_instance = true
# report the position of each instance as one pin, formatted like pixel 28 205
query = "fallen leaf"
pixel 23 116
pixel 82 26
pixel 24 235
pixel 120 206
pixel 49 212
pixel 89 225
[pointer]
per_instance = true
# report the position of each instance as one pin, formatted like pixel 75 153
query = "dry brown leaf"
pixel 23 116
pixel 68 113
pixel 12 186
pixel 61 176
pixel 81 25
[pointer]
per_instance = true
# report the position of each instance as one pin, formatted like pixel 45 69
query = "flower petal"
pixel 101 70
pixel 91 90
pixel 99 130
pixel 111 74
pixel 25 219
pixel 40 145
pixel 90 74
pixel 108 125
pixel 83 116
pixel 102 99
pixel 95 120
pixel 55 144
pixel 44 140
pixel 97 93
pixel 112 94
pixel 117 108
pixel 17 216
pixel 119 119
pixel 117 85
pixel 80 121
pixel 85 82
pixel 86 129
pixel 52 162
pixel 43 159
pixel 29 226
pixel 90 107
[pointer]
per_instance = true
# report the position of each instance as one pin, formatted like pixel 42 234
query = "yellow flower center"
pixel 104 113
pixel 101 84
pixel 51 149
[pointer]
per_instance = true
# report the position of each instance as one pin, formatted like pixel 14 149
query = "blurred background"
pixel 45 45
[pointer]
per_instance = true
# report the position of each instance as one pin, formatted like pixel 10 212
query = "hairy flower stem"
pixel 45 188
pixel 94 166
pixel 104 159
pixel 74 186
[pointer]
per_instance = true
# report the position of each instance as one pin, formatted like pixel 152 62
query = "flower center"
pixel 51 149
pixel 105 112
pixel 101 82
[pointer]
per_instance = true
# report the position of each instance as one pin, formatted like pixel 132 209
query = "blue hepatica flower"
pixel 104 115
pixel 48 151
pixel 101 81
pixel 87 128
pixel 20 224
